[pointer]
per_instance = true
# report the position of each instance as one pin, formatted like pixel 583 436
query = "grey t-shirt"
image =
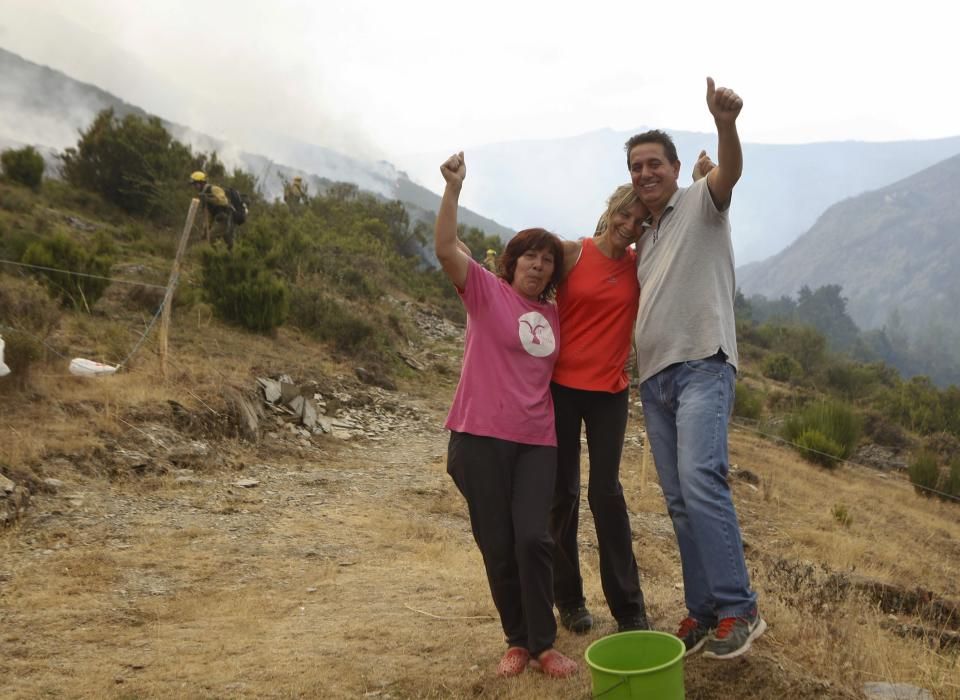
pixel 686 284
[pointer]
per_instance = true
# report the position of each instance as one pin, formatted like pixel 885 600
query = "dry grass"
pixel 367 582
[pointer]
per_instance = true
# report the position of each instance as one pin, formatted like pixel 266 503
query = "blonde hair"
pixel 622 199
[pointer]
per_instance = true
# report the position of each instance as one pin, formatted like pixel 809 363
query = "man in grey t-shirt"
pixel 687 359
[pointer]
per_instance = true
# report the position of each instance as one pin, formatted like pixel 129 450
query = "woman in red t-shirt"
pixel 597 301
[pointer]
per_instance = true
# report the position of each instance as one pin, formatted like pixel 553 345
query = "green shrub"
pixel 828 427
pixel 73 286
pixel 64 195
pixel 883 431
pixel 818 448
pixel 916 404
pixel 16 201
pixel 14 241
pixel 25 305
pixel 747 402
pixel 924 473
pixel 842 515
pixel 21 353
pixel 330 320
pixel 27 318
pixel 24 166
pixel 781 367
pixel 850 380
pixel 243 290
pixel 952 485
pixel 804 344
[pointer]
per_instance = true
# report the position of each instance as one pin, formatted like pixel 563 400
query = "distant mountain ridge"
pixel 894 250
pixel 46 108
pixel 562 184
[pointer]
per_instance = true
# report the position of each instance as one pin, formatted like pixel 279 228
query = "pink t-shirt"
pixel 509 353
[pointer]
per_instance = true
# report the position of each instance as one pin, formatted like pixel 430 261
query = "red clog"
pixel 514 662
pixel 554 664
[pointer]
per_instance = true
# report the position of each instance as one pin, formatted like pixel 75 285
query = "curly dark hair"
pixel 533 239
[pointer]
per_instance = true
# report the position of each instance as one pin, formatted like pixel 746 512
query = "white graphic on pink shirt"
pixel 536 335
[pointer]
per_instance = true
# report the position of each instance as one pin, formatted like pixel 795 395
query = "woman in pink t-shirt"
pixel 502 451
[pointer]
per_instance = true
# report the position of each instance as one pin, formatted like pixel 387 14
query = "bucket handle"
pixel 623 679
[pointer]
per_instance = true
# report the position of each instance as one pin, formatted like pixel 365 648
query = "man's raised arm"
pixel 725 105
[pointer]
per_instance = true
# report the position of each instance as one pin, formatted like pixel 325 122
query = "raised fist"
pixel 454 169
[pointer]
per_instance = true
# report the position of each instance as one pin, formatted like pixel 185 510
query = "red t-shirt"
pixel 598 306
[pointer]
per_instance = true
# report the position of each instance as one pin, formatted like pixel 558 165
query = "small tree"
pixel 133 162
pixel 24 166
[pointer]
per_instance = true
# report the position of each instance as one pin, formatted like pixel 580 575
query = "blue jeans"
pixel 686 408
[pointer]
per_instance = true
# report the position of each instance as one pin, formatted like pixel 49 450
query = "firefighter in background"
pixel 295 193
pixel 217 211
pixel 490 262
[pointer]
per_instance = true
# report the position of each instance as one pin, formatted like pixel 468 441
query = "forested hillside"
pixel 895 252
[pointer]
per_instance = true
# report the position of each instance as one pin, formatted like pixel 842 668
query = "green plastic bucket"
pixel 637 665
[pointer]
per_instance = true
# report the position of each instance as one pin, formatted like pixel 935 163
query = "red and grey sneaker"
pixel 694 634
pixel 734 635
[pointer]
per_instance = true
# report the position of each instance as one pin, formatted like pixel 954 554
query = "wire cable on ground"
pixel 143 337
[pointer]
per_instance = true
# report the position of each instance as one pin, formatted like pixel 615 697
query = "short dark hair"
pixel 653 136
pixel 533 239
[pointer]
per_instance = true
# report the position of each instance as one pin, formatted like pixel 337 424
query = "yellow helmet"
pixel 491 251
pixel 198 176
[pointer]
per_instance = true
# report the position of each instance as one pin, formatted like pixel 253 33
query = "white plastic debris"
pixel 89 368
pixel 4 370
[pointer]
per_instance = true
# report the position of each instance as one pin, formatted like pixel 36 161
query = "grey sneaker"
pixel 734 635
pixel 694 634
pixel 577 620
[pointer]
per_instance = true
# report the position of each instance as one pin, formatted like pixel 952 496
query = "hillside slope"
pixel 43 107
pixel 893 249
pixel 162 556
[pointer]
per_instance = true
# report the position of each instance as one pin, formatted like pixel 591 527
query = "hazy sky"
pixel 381 79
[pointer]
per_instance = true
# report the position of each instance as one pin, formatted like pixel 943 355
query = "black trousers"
pixel 508 488
pixel 605 417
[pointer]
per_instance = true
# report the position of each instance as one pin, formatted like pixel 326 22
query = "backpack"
pixel 239 204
